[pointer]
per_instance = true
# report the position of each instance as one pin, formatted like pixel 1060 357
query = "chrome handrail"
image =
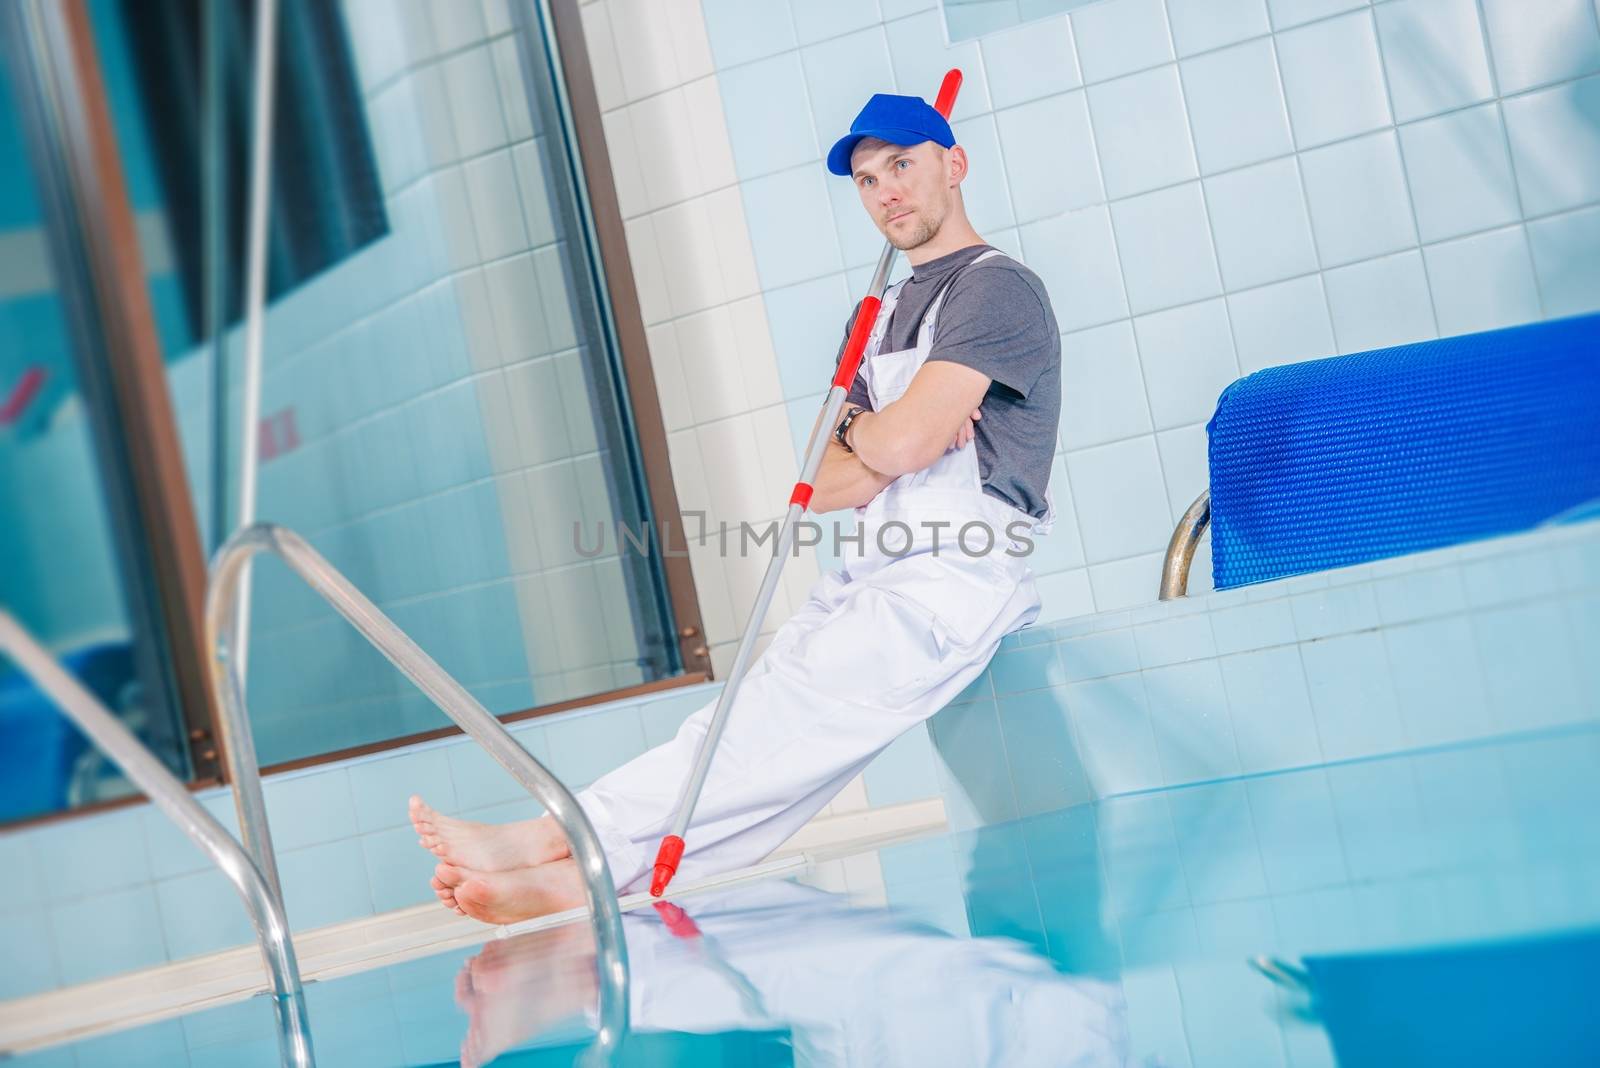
pixel 445 692
pixel 260 896
pixel 1180 550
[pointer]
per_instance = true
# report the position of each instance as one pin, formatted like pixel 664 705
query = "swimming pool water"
pixel 1433 908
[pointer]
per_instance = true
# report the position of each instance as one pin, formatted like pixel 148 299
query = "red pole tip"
pixel 947 92
pixel 667 858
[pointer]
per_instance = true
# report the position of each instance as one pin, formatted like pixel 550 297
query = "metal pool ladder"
pixel 261 897
pixel 1180 550
pixel 481 726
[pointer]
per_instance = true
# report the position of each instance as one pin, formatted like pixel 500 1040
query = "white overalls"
pixel 880 645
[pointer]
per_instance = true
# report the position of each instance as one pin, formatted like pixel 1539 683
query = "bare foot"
pixel 487 846
pixel 501 897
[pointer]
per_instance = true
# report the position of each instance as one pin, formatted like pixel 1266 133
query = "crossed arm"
pixel 935 413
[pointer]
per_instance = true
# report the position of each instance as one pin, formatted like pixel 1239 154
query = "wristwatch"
pixel 843 428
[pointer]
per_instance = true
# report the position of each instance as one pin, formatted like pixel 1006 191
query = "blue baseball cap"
pixel 899 120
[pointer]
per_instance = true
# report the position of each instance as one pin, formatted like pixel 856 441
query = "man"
pixel 944 453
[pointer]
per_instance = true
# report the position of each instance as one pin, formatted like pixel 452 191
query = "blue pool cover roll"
pixel 1353 458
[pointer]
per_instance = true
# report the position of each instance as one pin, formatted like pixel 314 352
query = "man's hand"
pixel 968 430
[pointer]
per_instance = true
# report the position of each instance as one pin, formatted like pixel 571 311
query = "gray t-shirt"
pixel 995 319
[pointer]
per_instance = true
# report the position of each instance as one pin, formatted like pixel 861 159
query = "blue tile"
pixel 1460 175
pixel 905 771
pixel 1321 921
pixel 107 934
pixel 1420 594
pixel 1056 172
pixel 1118 745
pixel 1236 928
pixel 1380 823
pixel 972 750
pixel 1236 106
pixel 1103 388
pixel 1271 710
pixel 203 913
pixel 662 717
pixel 807 323
pixel 1556 146
pixel 1142 132
pixel 924 861
pixel 1286 13
pixel 1323 613
pixel 1095 656
pixel 1075 256
pixel 1029 61
pixel 1508 576
pixel 1569 273
pixel 985 192
pixel 92 854
pixel 1121 500
pixel 1352 696
pixel 1525 52
pixel 1188 357
pixel 921 58
pixel 1482 282
pixel 1528 658
pixel 791 227
pixel 325 884
pixel 23 868
pixel 1259 217
pixel 1154 1006
pixel 1143 872
pixel 1121 37
pixel 815 20
pixel 382 787
pixel 479 781
pixel 1175 641
pixel 1438 681
pixel 1194 732
pixel 585 747
pixel 740 31
pixel 1219 1035
pixel 1046 771
pixel 1164 239
pixel 1466 806
pixel 1295 827
pixel 840 77
pixel 1434 56
pixel 1217 841
pixel 1333 79
pixel 1359 205
pixel 1253 626
pixel 1023 668
pixel 1380 303
pixel 1201 25
pixel 158 1045
pixel 398 869
pixel 1159 937
pixel 1280 323
pixel 310 807
pixel 30 957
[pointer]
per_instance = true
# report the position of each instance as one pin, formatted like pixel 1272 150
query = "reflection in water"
pixel 849 986
pixel 1500 1003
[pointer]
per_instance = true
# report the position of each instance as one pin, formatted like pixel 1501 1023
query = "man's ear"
pixel 956 158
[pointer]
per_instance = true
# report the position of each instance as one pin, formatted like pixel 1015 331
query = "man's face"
pixel 908 191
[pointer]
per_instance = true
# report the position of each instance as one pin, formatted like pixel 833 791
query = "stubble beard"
pixel 919 234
